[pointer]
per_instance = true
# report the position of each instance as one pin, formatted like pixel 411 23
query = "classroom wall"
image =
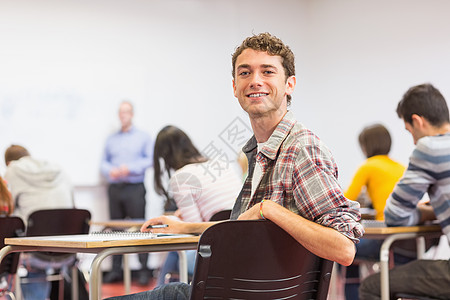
pixel 362 56
pixel 66 65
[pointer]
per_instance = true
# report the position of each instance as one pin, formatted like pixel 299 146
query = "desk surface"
pixel 87 241
pixel 401 229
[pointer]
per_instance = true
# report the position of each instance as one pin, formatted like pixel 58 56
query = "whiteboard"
pixel 66 65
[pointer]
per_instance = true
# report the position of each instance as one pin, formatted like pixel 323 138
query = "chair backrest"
pixel 221 215
pixel 58 222
pixel 257 260
pixel 10 227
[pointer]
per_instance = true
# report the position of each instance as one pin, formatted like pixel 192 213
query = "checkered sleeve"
pixel 318 194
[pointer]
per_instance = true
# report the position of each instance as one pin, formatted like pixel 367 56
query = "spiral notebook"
pixel 105 239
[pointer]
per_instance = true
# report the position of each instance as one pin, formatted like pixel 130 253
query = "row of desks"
pixel 104 247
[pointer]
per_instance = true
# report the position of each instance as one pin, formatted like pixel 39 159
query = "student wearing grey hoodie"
pixel 36 184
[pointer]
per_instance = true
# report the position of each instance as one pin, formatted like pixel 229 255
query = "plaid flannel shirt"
pixel 299 173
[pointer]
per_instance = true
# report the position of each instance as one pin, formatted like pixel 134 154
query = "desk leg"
pixel 182 266
pixel 75 282
pixel 421 247
pixel 95 279
pixel 384 260
pixel 126 273
pixel 17 287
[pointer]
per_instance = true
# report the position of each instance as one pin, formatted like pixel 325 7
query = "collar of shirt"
pixel 131 130
pixel 270 148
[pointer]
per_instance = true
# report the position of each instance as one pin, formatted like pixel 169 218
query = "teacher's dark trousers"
pixel 127 200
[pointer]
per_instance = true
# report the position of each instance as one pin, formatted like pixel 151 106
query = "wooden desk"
pixel 135 225
pixel 390 235
pixel 103 247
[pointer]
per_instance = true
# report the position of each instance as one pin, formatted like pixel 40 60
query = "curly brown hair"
pixel 273 46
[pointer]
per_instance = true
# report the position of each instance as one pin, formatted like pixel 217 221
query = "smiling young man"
pixel 292 177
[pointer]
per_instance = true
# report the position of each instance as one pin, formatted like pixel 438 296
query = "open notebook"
pixel 104 239
pixel 373 223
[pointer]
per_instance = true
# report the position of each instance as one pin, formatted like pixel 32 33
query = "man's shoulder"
pixel 436 142
pixel 301 136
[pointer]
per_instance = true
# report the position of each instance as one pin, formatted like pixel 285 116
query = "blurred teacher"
pixel 127 155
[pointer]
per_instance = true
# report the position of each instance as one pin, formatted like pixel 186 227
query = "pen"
pixel 157 226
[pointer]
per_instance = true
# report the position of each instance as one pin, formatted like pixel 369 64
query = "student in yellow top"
pixel 379 173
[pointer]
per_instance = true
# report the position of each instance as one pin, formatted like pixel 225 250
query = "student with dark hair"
pixel 378 174
pixel 292 179
pixel 425 114
pixel 195 186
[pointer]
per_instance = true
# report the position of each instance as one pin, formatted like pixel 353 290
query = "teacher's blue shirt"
pixel 133 148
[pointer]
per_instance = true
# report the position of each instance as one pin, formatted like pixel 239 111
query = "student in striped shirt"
pixel 426 116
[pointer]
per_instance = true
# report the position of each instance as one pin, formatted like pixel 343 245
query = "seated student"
pixel 379 174
pixel 35 184
pixel 6 202
pixel 292 178
pixel 424 111
pixel 199 186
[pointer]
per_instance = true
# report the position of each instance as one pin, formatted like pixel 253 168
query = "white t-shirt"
pixel 202 189
pixel 257 173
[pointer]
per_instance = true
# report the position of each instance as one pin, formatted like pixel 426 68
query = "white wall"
pixel 65 66
pixel 361 58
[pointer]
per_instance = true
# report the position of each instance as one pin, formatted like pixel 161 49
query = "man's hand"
pixel 426 213
pixel 114 173
pixel 124 171
pixel 120 172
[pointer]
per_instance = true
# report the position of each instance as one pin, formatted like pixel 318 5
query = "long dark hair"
pixel 176 149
